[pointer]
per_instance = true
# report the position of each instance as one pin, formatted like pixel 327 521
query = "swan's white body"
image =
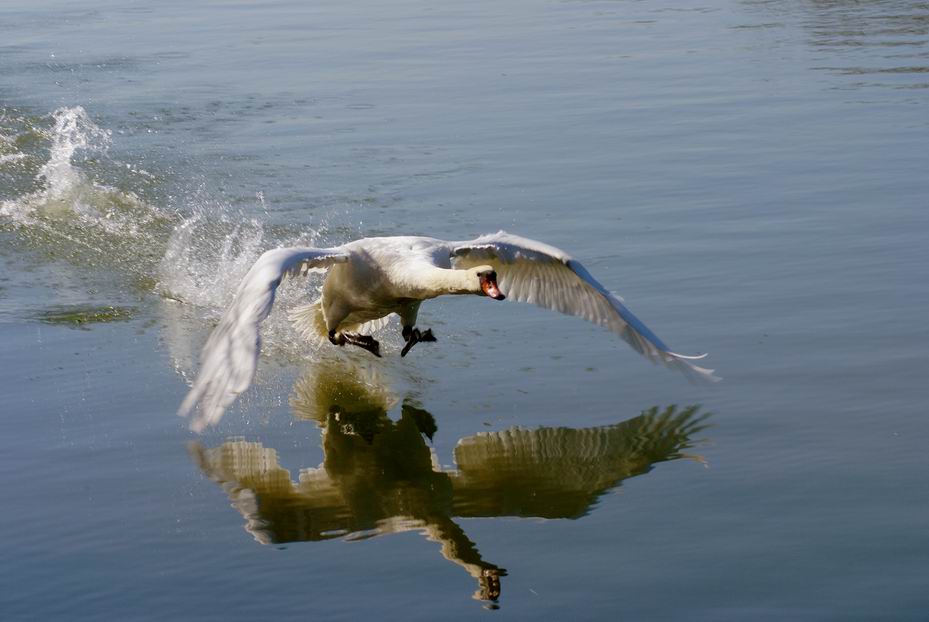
pixel 370 278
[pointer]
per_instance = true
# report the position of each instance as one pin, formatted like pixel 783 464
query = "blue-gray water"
pixel 751 176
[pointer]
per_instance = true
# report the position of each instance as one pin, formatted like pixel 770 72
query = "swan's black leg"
pixel 414 336
pixel 366 342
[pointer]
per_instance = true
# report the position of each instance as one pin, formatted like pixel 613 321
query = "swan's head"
pixel 486 278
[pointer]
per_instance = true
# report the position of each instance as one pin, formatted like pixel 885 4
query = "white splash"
pixel 6 158
pixel 73 130
pixel 202 268
pixel 67 204
pixel 194 261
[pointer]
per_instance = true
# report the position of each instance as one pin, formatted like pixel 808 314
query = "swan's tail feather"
pixel 309 321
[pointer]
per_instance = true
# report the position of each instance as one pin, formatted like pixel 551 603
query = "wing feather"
pixel 230 356
pixel 540 274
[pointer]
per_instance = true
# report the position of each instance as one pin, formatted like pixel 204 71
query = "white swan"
pixel 371 278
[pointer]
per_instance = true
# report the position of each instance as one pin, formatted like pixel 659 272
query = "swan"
pixel 371 278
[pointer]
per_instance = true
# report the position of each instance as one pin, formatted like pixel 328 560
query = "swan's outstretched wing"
pixel 531 271
pixel 230 356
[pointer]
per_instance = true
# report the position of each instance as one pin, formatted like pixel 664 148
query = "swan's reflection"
pixel 380 476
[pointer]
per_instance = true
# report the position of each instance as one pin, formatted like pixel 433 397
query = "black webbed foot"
pixel 414 336
pixel 366 342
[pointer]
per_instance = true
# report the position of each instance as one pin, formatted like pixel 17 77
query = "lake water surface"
pixel 751 176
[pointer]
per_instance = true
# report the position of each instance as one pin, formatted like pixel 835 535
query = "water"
pixel 750 176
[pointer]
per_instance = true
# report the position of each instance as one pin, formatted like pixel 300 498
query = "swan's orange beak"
pixel 489 286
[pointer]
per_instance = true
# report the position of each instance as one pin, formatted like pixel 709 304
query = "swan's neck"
pixel 429 282
pixel 445 282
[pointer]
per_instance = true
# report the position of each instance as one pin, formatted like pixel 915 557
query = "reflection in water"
pixel 380 476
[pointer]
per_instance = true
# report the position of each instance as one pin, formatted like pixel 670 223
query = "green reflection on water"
pixel 80 316
pixel 380 476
